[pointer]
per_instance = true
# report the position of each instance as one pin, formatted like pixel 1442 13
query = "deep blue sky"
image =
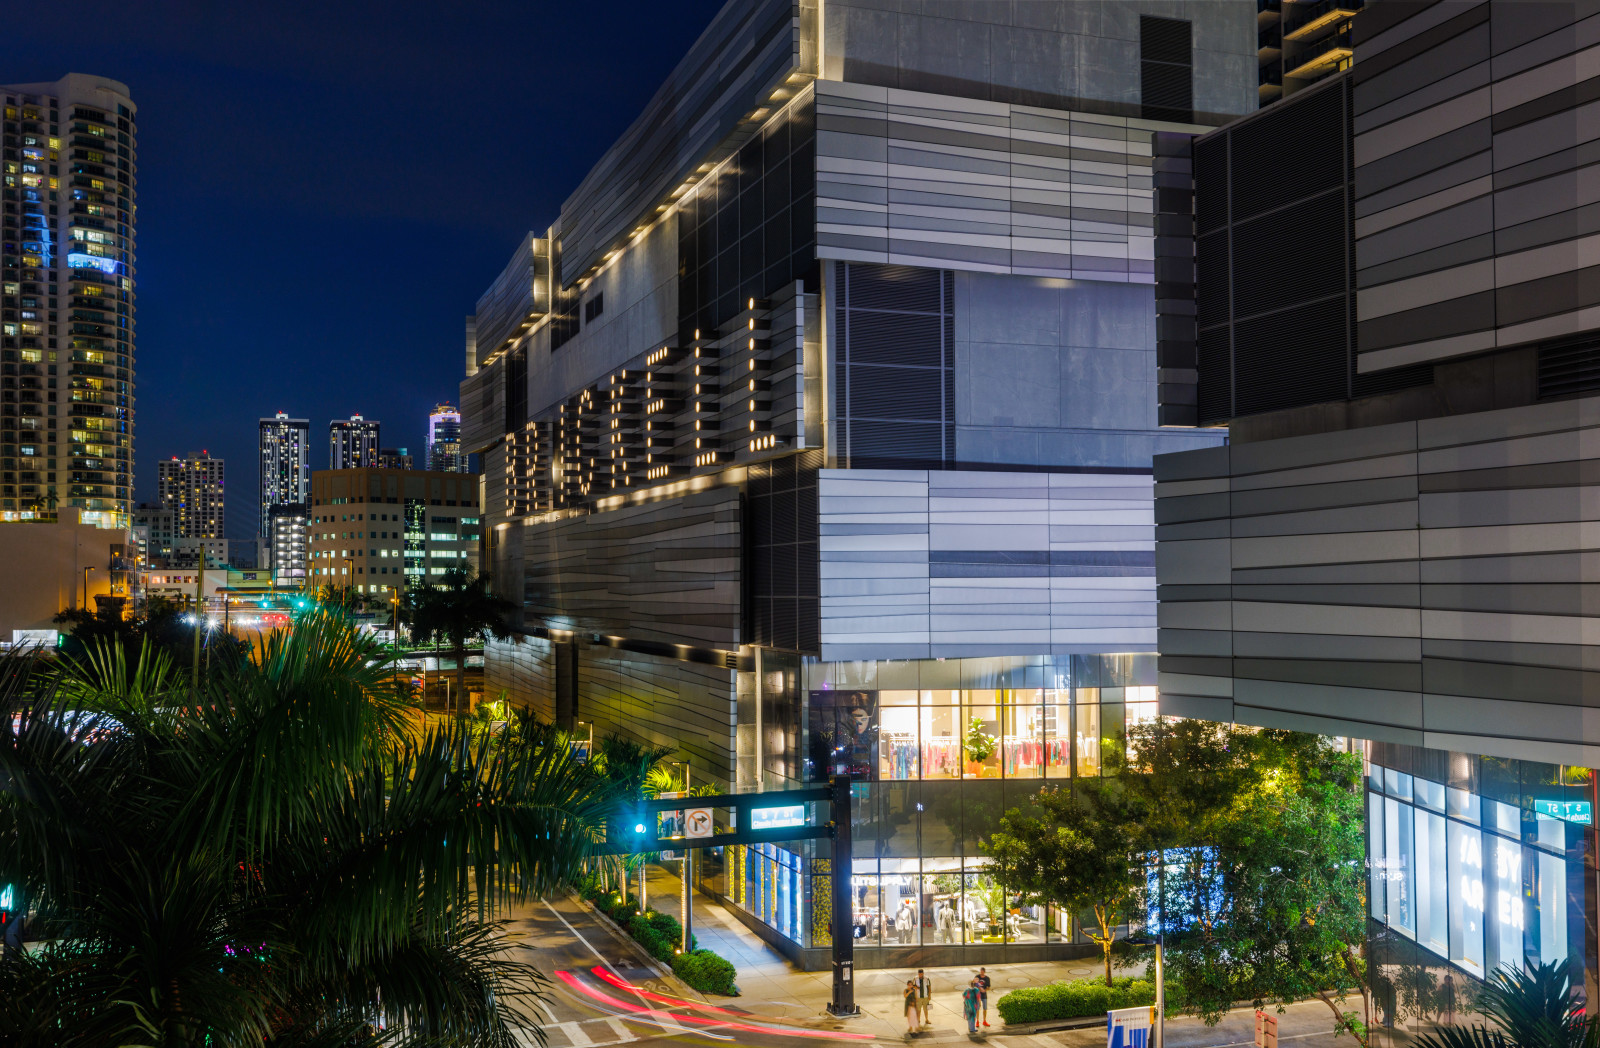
pixel 326 188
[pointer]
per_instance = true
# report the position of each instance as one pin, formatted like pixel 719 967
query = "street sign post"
pixel 635 829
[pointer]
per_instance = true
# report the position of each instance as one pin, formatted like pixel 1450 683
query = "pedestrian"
pixel 982 982
pixel 911 1006
pixel 925 997
pixel 971 999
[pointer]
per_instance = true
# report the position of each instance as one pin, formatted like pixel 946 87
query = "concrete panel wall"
pixel 1431 583
pixel 929 564
pixel 1059 373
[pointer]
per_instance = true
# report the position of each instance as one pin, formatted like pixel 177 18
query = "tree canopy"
pixel 283 858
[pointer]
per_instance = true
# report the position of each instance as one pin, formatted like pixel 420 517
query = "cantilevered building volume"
pixel 1397 320
pixel 66 298
pixel 817 429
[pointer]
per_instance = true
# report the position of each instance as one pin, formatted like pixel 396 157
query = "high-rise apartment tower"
pixel 192 489
pixel 285 465
pixel 352 443
pixel 66 298
pixel 444 440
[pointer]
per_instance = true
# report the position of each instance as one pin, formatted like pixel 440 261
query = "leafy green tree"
pixel 1529 1009
pixel 1264 895
pixel 1077 850
pixel 274 861
pixel 459 609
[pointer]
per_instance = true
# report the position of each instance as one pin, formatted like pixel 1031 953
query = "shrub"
pixel 660 933
pixel 1070 1000
pixel 706 972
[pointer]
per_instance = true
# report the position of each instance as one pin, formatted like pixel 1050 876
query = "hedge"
pixel 1070 1000
pixel 706 972
pixel 660 933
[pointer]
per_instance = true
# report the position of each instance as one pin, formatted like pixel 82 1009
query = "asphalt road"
pixel 599 995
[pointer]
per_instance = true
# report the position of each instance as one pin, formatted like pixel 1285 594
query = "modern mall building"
pixel 1397 319
pixel 817 428
pixel 69 153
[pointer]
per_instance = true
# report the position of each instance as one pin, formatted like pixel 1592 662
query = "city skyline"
pixel 235 111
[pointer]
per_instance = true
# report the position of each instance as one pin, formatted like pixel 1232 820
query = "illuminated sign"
pixel 1579 812
pixel 778 818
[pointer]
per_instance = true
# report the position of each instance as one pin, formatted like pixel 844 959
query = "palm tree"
pixel 1529 1009
pixel 457 610
pixel 280 859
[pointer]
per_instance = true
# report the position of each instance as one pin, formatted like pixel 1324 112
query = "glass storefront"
pixel 1037 717
pixel 940 750
pixel 1481 881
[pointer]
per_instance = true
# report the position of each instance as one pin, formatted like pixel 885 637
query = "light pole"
pixel 86 588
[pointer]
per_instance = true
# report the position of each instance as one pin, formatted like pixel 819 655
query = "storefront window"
pixel 941 735
pixel 1433 883
pixel 1086 731
pixel 1057 715
pixel 941 893
pixel 984 908
pixel 981 736
pixel 866 910
pixel 1552 896
pixel 902 905
pixel 1507 909
pixel 1466 896
pixel 898 749
pixel 1022 724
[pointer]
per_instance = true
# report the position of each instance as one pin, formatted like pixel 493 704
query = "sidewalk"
pixel 772 986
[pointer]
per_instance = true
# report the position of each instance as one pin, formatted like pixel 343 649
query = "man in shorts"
pixel 983 999
pixel 925 997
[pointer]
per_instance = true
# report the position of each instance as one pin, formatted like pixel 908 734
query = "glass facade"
pixel 939 749
pixel 1475 863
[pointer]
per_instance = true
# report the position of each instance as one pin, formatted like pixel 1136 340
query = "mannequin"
pixel 905 922
pixel 946 921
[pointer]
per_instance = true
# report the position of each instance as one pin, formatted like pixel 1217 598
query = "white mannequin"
pixel 946 920
pixel 905 921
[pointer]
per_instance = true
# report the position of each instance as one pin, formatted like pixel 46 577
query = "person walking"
pixel 911 1006
pixel 983 984
pixel 925 997
pixel 970 1001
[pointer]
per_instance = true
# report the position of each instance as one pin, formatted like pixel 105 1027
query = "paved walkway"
pixel 772 986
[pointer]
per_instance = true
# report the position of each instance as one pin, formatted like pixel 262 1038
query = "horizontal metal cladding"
pixel 666 571
pixel 1477 200
pixel 1435 583
pixel 649 700
pixel 933 564
pixel 518 295
pixel 934 180
pixel 746 52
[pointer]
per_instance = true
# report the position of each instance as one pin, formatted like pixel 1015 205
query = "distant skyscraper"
pixel 287 525
pixel 192 489
pixel 285 464
pixel 352 443
pixel 67 298
pixel 444 440
pixel 394 458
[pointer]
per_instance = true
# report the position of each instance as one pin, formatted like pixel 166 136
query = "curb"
pixel 1048 1025
pixel 620 934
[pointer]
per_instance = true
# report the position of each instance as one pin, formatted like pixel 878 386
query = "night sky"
pixel 326 188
